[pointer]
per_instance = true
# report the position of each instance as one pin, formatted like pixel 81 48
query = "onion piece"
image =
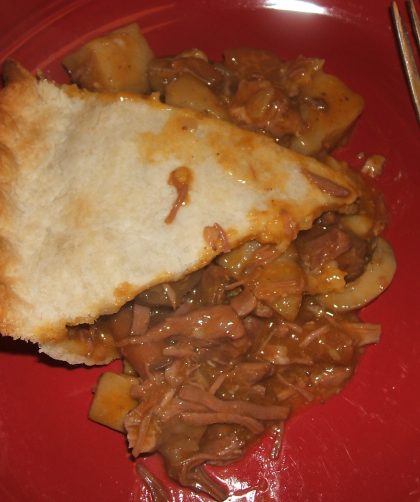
pixel 375 279
pixel 365 333
pixel 278 441
pixel 203 419
pixel 157 491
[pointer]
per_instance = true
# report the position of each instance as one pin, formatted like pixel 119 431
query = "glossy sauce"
pixel 230 347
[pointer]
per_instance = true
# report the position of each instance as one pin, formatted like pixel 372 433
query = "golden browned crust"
pixel 17 81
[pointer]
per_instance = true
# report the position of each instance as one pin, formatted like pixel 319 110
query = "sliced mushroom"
pixel 375 279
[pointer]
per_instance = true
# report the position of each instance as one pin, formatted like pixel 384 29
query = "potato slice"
pixel 116 62
pixel 329 109
pixel 189 92
pixel 112 400
pixel 235 261
pixel 359 224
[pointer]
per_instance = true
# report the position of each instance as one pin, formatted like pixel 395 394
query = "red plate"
pixel 363 445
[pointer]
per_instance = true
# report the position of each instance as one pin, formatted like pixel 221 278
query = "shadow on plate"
pixel 11 347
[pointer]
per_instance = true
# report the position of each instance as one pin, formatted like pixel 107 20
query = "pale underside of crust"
pixel 85 193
